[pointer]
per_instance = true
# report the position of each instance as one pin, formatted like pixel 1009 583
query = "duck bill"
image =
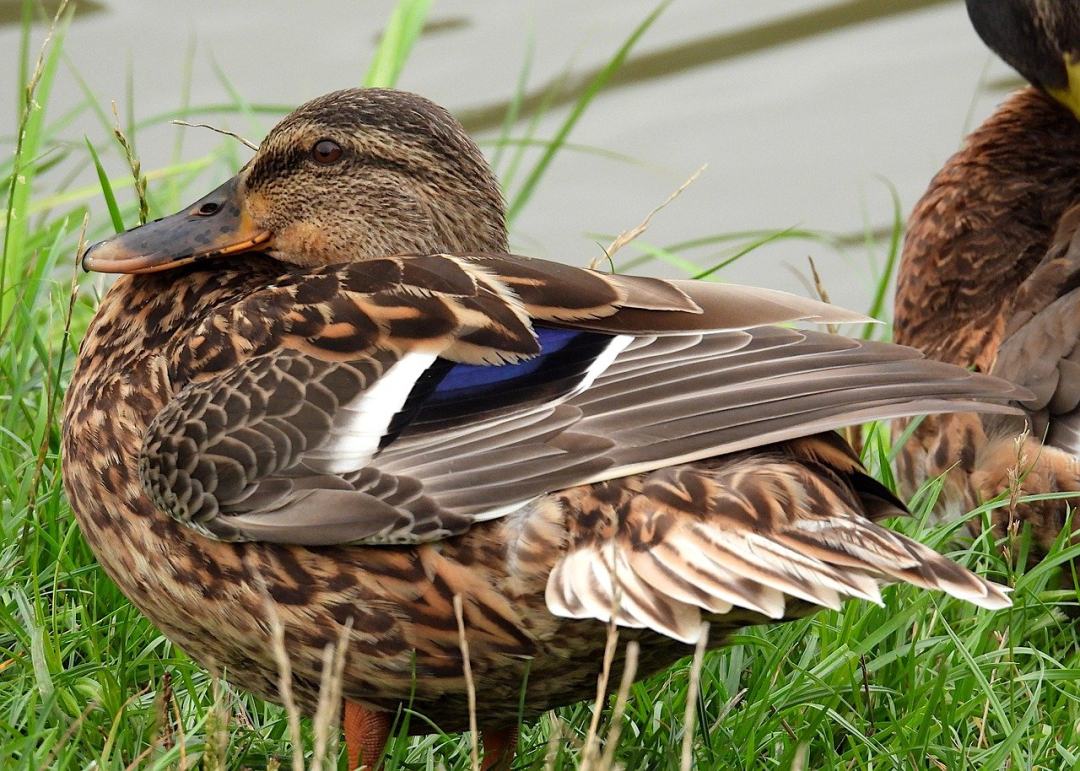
pixel 1069 95
pixel 214 226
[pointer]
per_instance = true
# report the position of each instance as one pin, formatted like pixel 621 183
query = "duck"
pixel 988 280
pixel 325 400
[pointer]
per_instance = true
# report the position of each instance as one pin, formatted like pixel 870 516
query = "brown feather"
pixel 303 403
pixel 745 531
pixel 224 400
pixel 988 279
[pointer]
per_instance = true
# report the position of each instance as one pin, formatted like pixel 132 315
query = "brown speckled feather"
pixel 304 434
pixel 745 531
pixel 1040 350
pixel 987 280
pixel 805 497
pixel 179 350
pixel 237 422
pixel 982 227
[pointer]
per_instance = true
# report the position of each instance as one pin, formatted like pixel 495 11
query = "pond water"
pixel 805 111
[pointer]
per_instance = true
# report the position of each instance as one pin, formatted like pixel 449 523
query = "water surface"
pixel 802 110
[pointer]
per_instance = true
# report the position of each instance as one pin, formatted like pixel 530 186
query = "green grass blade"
pixel 181 131
pixel 123 181
pixel 396 43
pixel 26 18
pixel 510 174
pixel 881 289
pixel 524 193
pixel 901 440
pixel 31 134
pixel 514 109
pixel 106 190
pixel 650 252
pixel 242 106
pixel 742 252
pixel 82 671
pixel 792 232
pixel 988 691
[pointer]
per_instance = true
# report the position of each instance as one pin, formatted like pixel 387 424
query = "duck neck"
pixel 982 227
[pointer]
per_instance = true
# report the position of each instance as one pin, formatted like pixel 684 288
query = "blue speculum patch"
pixel 470 376
pixel 452 393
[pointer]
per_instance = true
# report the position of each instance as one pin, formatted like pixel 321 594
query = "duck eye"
pixel 326 151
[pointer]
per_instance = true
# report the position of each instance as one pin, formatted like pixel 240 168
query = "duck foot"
pixel 366 733
pixel 500 746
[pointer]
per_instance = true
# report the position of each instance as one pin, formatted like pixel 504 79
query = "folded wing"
pixel 1041 349
pixel 401 400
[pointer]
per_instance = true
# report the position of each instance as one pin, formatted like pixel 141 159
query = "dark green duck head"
pixel 352 174
pixel 1040 39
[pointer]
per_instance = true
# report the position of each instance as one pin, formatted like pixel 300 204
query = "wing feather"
pixel 402 399
pixel 771 534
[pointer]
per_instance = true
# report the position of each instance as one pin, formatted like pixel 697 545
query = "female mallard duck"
pixel 989 274
pixel 274 413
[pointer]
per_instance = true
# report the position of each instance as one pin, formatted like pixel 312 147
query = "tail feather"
pixel 749 533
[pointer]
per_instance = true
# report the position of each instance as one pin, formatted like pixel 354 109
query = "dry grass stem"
pixel 162 705
pixel 627 236
pixel 589 751
pixel 866 693
pixel 733 702
pixel 1016 474
pixel 181 743
pixel 54 378
pixel 136 167
pixel 686 760
pixel 28 95
pixel 627 680
pixel 281 658
pixel 470 687
pixel 552 750
pixel 136 763
pixel 328 711
pixel 215 757
pixel 242 140
pixel 39 65
pixel 68 734
pixel 798 763
pixel 851 433
pixel 783 723
pixel 132 698
pixel 591 738
pixel 822 292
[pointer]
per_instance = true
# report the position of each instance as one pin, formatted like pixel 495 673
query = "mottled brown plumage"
pixel 242 428
pixel 987 280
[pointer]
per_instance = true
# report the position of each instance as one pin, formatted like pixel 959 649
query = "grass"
pixel 87 682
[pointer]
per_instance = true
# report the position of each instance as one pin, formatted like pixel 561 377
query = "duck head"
pixel 1040 39
pixel 352 174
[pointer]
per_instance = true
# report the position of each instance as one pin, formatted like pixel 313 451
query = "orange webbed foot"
pixel 366 733
pixel 500 746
